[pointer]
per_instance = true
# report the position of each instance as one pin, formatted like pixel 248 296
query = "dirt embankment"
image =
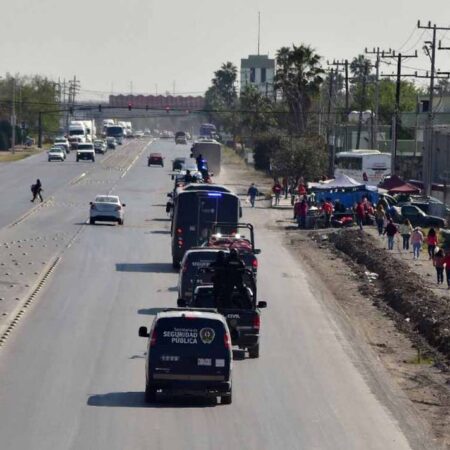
pixel 401 288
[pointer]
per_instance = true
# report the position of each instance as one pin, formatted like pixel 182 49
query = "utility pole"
pixel 375 114
pixel 427 156
pixel 329 127
pixel 13 116
pixel 259 30
pixel 396 119
pixel 364 88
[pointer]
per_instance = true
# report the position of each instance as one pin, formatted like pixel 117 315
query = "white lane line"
pixel 78 178
pixel 136 158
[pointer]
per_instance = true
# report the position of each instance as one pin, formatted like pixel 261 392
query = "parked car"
pixel 155 159
pixel 420 219
pixel 106 208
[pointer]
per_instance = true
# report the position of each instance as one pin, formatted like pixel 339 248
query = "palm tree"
pixel 298 77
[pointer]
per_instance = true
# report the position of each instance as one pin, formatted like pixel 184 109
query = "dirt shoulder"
pixel 19 153
pixel 360 302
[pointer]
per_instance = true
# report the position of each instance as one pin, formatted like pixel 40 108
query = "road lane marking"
pixel 30 212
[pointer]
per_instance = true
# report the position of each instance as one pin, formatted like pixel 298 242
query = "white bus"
pixel 365 166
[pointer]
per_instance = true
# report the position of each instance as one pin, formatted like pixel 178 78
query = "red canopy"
pixel 405 188
pixel 394 181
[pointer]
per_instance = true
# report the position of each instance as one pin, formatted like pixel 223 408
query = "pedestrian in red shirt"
pixel 432 242
pixel 276 189
pixel 360 214
pixel 327 209
pixel 438 263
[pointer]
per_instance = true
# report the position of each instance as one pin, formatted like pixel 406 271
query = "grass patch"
pixel 8 156
pixel 231 157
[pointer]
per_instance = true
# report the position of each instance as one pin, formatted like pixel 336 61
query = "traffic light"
pixel 129 106
pixel 99 108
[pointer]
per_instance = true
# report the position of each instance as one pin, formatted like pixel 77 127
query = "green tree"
pixel 298 77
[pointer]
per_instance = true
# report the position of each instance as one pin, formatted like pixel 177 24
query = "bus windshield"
pixel 114 131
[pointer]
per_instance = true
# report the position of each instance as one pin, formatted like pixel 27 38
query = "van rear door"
pixel 190 348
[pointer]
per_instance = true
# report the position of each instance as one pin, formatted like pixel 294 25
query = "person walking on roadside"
pixel 360 214
pixel 36 189
pixel 380 217
pixel 405 230
pixel 438 263
pixel 447 266
pixel 252 193
pixel 417 241
pixel 327 210
pixel 277 189
pixel 432 241
pixel 300 212
pixel 390 230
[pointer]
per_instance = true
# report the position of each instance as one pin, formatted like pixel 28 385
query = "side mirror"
pixel 169 194
pixel 143 332
pixel 181 303
pixel 262 304
pixel 123 204
pixel 257 251
pixel 91 203
pixel 211 174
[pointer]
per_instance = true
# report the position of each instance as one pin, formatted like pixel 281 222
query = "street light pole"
pixel 13 116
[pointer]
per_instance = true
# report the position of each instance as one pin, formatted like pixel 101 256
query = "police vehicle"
pixel 189 353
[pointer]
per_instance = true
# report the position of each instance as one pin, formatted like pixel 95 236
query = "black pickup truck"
pixel 242 311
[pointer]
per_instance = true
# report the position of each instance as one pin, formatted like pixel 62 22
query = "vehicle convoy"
pixel 188 353
pixel 116 132
pixel 106 208
pixel 195 213
pixel 418 218
pixel 211 151
pixel 86 152
pixel 238 305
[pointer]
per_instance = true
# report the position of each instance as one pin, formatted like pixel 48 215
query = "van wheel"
pixel 253 352
pixel 175 264
pixel 227 399
pixel 92 221
pixel 120 221
pixel 150 394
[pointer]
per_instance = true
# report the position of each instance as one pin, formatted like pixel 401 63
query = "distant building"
pixel 258 71
pixel 158 102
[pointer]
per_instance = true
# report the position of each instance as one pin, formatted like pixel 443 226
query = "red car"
pixel 155 159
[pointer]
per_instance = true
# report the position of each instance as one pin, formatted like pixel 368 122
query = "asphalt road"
pixel 72 371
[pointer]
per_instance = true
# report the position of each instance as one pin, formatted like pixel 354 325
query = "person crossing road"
pixel 36 189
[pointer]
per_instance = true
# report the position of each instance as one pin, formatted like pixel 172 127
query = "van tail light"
pixel 153 338
pixel 227 340
pixel 255 263
pixel 179 230
pixel 256 322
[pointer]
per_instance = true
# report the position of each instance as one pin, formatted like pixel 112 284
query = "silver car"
pixel 106 208
pixel 56 154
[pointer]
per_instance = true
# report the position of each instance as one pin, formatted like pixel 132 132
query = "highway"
pixel 72 370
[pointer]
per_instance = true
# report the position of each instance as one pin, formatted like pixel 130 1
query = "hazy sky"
pixel 110 44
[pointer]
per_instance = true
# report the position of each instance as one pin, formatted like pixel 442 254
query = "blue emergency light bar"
pixel 214 194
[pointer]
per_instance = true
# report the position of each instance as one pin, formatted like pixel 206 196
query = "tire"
pixel 150 394
pixel 77 159
pixel 227 399
pixel 253 352
pixel 93 160
pixel 120 221
pixel 175 264
pixel 92 221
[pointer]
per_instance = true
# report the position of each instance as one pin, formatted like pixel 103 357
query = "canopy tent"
pixel 340 182
pixel 405 188
pixel 394 181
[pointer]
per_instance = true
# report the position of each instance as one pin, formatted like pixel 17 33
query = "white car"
pixel 63 141
pixel 85 151
pixel 106 208
pixel 56 154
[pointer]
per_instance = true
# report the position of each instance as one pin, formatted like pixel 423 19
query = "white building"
pixel 259 71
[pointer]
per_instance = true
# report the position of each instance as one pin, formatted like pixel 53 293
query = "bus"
pixel 117 132
pixel 365 166
pixel 196 213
